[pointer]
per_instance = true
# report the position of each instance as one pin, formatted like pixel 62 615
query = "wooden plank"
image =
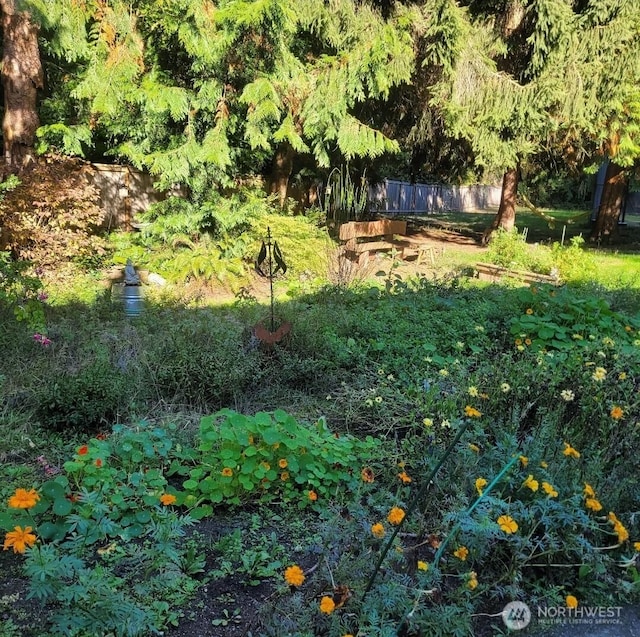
pixel 355 229
pixel 372 246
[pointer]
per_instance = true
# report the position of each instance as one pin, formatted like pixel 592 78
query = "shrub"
pixel 50 226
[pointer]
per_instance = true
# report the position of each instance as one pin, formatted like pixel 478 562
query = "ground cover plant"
pixel 476 442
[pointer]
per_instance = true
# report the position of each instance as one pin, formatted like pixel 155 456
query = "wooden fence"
pixel 401 197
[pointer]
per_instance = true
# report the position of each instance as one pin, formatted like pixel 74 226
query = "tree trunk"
pixel 282 168
pixel 22 76
pixel 506 216
pixel 613 196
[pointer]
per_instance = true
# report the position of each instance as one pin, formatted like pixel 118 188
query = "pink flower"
pixel 43 296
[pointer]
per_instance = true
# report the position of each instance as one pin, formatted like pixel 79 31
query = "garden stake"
pixel 486 491
pixel 452 534
pixel 270 252
pixel 414 504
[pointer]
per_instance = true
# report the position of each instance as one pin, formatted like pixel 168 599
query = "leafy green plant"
pixel 269 456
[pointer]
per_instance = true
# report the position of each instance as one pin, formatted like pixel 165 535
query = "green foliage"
pixel 269 456
pixel 84 399
pixel 559 319
pixel 85 563
pixel 22 292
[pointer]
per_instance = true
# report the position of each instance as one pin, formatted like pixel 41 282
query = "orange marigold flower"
pixel 405 477
pixel 588 491
pixel 593 504
pixel 98 463
pixel 549 490
pixel 23 499
pixel 377 530
pixel 396 515
pixel 570 452
pixel 283 463
pixel 527 341
pixel 19 539
pixel 327 605
pixel 367 474
pixel 294 575
pixel 571 601
pixel 461 553
pixel 617 412
pixel 83 451
pixel 227 472
pixel 167 498
pixel 312 495
pixel 636 546
pixel 284 476
pixel 472 412
pixel 507 524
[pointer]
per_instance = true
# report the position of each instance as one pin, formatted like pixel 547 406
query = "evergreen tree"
pixel 197 91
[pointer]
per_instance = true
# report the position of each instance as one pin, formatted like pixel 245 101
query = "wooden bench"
pixel 388 235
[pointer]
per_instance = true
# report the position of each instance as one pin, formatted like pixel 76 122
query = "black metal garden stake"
pixel 271 257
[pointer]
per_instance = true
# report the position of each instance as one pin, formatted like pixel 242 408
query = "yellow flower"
pixel 617 412
pixel 530 483
pixel 544 464
pixel 588 491
pixel 23 499
pixel 471 412
pixel 472 582
pixel 427 422
pixel 396 515
pixel 378 399
pixel 227 472
pixel 529 311
pixel 19 538
pixel 474 448
pixel 312 495
pixel 599 374
pixel 567 395
pixel 571 601
pixel 473 391
pixel 377 530
pixel 549 490
pixel 443 372
pixel 284 476
pixel 265 465
pixel 423 566
pixel 282 463
pixel 480 484
pixel 518 341
pixel 294 575
pixel 524 461
pixel 636 546
pixel 406 478
pixel 619 528
pixel 167 498
pixel 461 553
pixel 570 452
pixel 507 524
pixel 327 605
pixel 527 341
pixel 505 388
pixel 593 504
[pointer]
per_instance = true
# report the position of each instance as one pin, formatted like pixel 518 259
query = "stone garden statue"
pixel 131 277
